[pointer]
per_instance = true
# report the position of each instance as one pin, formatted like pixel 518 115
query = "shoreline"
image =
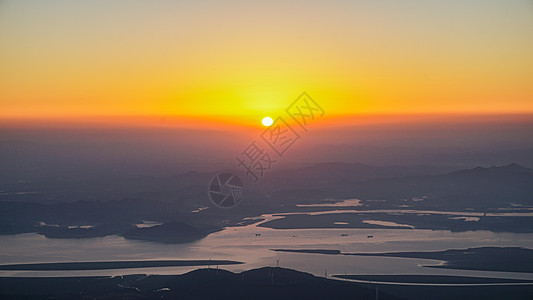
pixel 116 265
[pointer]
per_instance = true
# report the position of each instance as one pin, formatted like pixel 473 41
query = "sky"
pixel 243 60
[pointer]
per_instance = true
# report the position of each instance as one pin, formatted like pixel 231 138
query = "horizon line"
pixel 254 121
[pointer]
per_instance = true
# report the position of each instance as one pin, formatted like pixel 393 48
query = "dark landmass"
pixel 176 232
pixel 264 283
pixel 104 265
pixel 66 232
pixel 495 292
pixel 429 279
pixel 504 259
pixel 85 219
pixel 170 233
pixel 316 251
pixel 519 224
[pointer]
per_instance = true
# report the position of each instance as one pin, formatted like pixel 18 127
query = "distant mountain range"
pixel 338 173
pixel 177 198
pixel 479 188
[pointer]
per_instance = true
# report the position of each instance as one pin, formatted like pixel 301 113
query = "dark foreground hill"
pixel 263 283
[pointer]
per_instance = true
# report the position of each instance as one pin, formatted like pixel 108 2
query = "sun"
pixel 267 121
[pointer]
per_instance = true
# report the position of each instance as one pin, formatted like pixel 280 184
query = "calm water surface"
pixel 251 245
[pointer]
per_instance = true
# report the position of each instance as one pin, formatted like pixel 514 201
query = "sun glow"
pixel 243 67
pixel 267 121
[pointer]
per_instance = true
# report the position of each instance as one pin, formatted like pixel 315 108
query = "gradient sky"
pixel 78 59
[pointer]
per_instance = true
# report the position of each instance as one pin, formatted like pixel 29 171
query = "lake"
pixel 251 244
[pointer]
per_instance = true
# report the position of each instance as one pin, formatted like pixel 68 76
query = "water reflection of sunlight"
pixel 252 245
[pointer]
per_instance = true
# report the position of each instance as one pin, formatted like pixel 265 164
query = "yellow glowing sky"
pixel 250 59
